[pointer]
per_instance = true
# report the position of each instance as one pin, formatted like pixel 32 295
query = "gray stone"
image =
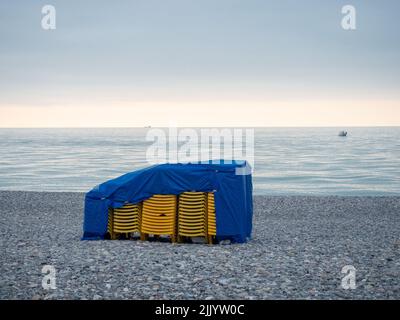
pixel 298 249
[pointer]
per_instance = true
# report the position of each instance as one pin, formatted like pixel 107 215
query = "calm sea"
pixel 287 160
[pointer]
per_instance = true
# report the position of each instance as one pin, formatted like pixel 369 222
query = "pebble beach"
pixel 300 245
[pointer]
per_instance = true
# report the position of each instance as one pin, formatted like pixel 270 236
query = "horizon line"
pixel 199 127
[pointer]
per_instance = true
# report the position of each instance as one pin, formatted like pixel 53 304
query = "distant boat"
pixel 147 127
pixel 343 134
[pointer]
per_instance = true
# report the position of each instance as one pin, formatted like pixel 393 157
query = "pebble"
pixel 300 245
pixel 223 281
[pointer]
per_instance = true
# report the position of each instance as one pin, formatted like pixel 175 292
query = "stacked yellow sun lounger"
pixel 188 215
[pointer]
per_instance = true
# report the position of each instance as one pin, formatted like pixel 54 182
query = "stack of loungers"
pixel 188 215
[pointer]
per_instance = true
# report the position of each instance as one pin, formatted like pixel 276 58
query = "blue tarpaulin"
pixel 232 186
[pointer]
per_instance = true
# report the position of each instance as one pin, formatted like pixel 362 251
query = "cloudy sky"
pixel 199 63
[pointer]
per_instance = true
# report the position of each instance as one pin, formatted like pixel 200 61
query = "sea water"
pixel 288 161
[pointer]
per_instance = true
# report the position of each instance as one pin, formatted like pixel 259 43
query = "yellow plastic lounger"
pixel 159 216
pixel 192 215
pixel 124 220
pixel 211 220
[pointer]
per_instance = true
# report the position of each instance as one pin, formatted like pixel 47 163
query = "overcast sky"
pixel 199 63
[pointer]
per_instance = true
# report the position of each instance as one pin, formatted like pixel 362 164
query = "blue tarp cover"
pixel 233 195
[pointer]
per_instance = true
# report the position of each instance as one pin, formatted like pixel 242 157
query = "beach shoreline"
pixel 300 245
